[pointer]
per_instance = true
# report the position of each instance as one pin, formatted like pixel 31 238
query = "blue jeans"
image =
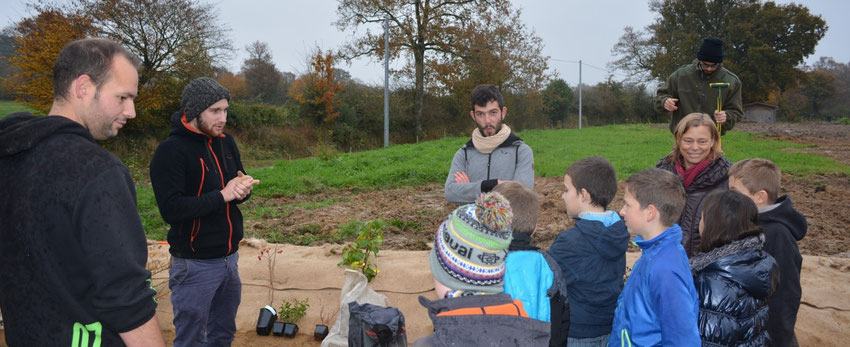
pixel 599 341
pixel 205 294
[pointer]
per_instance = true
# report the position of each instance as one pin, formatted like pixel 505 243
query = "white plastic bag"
pixel 356 288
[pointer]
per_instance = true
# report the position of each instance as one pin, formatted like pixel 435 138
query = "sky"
pixel 571 30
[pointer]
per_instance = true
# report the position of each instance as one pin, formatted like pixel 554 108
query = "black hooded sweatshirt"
pixel 188 172
pixel 72 247
pixel 783 227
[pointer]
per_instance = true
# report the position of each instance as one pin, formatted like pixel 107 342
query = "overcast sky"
pixel 571 30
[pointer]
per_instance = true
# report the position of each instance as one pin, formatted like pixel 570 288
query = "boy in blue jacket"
pixel 591 255
pixel 658 306
pixel 531 275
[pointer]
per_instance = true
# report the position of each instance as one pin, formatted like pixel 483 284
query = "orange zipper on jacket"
pixel 221 175
pixel 197 221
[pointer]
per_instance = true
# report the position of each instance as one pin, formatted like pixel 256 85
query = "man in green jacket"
pixel 688 89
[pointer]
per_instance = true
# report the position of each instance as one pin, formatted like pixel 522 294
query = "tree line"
pixel 447 47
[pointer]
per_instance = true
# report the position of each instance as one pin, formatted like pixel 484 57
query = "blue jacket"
pixel 534 278
pixel 592 257
pixel 659 304
pixel 527 279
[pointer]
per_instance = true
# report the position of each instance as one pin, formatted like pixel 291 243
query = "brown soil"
pixel 823 199
pixel 831 139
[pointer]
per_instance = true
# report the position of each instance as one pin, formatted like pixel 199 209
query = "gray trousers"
pixel 599 341
pixel 205 294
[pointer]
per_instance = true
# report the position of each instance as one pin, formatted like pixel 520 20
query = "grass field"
pixel 630 148
pixel 7 107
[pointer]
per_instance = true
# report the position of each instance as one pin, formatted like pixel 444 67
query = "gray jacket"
pixel 513 160
pixel 495 329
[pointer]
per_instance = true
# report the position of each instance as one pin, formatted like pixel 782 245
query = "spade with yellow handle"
pixel 719 86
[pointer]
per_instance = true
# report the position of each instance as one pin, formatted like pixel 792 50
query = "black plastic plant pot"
pixel 266 320
pixel 277 330
pixel 290 329
pixel 321 332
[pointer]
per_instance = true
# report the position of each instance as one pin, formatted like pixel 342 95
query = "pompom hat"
pixel 471 246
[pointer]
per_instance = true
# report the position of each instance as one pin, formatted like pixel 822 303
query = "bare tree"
pixel 636 52
pixel 165 34
pixel 437 34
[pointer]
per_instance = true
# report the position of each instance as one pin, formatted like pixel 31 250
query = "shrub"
pixel 244 116
pixel 292 310
pixel 369 240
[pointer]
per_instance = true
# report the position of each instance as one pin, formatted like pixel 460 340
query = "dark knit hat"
pixel 200 94
pixel 711 50
pixel 471 246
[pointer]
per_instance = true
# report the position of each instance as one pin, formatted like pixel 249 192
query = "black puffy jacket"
pixel 716 175
pixel 734 283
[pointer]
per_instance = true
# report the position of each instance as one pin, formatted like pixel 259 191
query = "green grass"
pixel 310 233
pixel 268 208
pixel 630 148
pixel 7 107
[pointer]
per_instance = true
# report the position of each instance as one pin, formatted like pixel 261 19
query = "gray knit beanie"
pixel 200 94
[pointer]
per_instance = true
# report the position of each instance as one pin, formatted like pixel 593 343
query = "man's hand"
pixel 720 116
pixel 239 187
pixel 461 177
pixel 670 104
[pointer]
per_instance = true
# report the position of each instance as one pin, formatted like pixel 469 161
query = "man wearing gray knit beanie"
pixel 199 182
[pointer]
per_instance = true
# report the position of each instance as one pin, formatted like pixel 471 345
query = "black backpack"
pixel 370 325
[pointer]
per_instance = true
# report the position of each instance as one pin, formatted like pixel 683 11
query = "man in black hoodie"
pixel 198 181
pixel 72 247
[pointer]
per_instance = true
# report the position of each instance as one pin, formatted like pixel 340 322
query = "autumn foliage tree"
pixel 316 90
pixel 37 42
pixel 176 40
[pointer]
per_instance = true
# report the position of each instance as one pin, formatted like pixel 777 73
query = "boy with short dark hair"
pixel 532 276
pixel 591 255
pixel 659 304
pixel 760 180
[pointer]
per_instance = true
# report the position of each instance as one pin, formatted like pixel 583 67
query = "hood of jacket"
pixel 743 262
pixel 786 214
pixel 510 141
pixel 181 128
pixel 482 329
pixel 610 242
pixel 21 131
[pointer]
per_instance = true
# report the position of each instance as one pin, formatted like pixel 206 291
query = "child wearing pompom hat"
pixel 468 264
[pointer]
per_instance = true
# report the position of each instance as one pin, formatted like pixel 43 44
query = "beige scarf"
pixel 488 144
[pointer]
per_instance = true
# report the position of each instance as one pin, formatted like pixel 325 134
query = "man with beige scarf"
pixel 493 155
